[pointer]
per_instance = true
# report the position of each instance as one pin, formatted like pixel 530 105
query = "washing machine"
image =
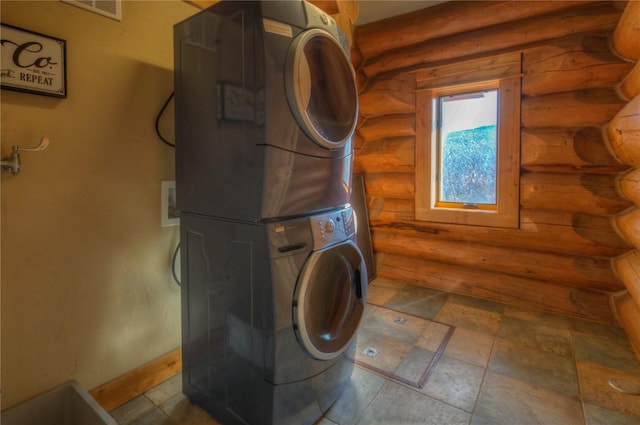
pixel 270 313
pixel 266 106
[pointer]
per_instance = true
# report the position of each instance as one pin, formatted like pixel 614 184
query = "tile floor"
pixel 502 365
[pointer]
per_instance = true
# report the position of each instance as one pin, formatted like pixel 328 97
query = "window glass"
pixel 467 147
pixel 332 102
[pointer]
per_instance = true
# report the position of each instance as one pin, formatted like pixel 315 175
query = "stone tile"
pixel 383 282
pixel 165 390
pixel 325 421
pixel 470 346
pixel 393 324
pixel 360 391
pixel 414 365
pixel 594 383
pixel 390 351
pixel 477 303
pixel 477 420
pixel 601 350
pixel 153 417
pixel 550 320
pixel 379 291
pixel 470 318
pixel 612 332
pixel 419 301
pixel 504 400
pixel 131 410
pixel 180 409
pixel 597 415
pixel 538 336
pixel 455 382
pixel 432 336
pixel 536 367
pixel 397 404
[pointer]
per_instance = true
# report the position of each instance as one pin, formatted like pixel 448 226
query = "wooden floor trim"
pixel 130 385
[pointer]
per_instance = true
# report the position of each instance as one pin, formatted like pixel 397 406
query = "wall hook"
pixel 13 163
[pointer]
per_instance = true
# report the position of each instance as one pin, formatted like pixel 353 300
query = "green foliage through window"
pixel 468 166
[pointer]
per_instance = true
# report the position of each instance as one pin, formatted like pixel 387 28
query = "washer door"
pixel 321 89
pixel 329 300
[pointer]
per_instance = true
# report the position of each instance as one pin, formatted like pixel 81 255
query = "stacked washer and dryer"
pixel 273 283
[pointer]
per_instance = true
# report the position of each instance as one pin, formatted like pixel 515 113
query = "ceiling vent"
pixel 108 8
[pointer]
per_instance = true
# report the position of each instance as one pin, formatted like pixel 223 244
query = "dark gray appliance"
pixel 266 106
pixel 269 311
pixel 273 282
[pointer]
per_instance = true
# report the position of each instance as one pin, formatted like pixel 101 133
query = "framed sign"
pixel 32 62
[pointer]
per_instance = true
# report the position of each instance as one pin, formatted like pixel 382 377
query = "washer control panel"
pixel 331 228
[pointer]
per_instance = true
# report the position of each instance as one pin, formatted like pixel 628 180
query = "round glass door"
pixel 321 88
pixel 329 301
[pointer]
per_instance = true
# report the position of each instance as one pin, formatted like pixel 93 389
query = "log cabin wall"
pixel 623 138
pixel 560 258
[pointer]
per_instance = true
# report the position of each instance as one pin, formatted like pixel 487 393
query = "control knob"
pixel 329 226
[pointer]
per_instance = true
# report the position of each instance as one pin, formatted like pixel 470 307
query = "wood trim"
pixel 130 385
pixel 508 162
pixel 471 71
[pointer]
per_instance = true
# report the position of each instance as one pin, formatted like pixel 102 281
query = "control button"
pixel 329 226
pixel 324 19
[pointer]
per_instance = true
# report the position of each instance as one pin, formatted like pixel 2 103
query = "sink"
pixel 67 404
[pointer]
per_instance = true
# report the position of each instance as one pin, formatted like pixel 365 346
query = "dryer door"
pixel 329 300
pixel 321 88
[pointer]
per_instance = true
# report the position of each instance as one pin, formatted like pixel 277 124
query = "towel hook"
pixel 13 163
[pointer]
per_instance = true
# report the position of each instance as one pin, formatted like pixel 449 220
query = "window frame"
pixel 504 73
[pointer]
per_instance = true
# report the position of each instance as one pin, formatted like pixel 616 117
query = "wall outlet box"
pixel 168 211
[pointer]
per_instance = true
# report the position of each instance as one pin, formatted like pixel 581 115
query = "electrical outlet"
pixel 168 211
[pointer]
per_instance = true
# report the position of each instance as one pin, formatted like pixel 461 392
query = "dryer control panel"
pixel 331 228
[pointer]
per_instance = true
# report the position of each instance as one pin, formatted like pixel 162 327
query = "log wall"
pixel 560 258
pixel 623 138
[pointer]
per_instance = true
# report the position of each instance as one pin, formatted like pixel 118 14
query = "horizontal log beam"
pixel 586 193
pixel 567 270
pixel 628 225
pixel 627 267
pixel 592 18
pixel 554 232
pixel 582 108
pixel 629 185
pixel 350 8
pixel 630 86
pixel 626 37
pixel 518 291
pixel 445 20
pixel 391 185
pixel 570 64
pixel 623 134
pixel 387 155
pixel 629 314
pixel 389 96
pixel 388 126
pixel 567 150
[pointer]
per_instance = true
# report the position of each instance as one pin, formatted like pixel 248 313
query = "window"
pixel 468 143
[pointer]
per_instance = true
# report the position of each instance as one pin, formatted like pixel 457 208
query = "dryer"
pixel 266 107
pixel 269 313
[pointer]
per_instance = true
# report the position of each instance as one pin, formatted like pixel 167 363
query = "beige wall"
pixel 87 291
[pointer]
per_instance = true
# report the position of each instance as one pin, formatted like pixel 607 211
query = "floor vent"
pixel 109 8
